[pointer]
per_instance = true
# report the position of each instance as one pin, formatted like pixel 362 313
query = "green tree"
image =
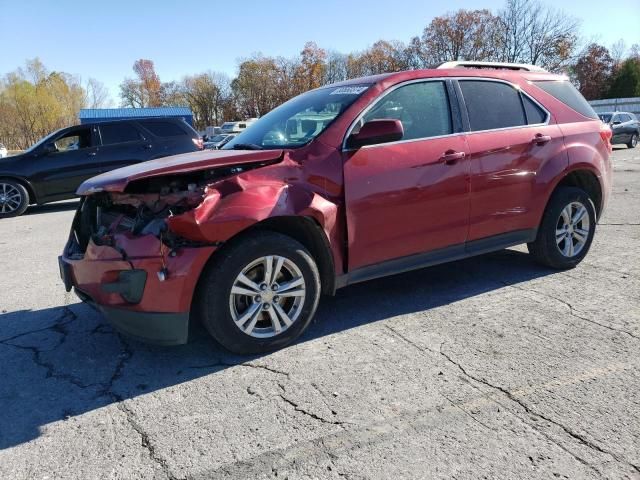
pixel 626 80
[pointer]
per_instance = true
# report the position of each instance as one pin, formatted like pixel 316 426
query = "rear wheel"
pixel 567 229
pixel 634 141
pixel 259 294
pixel 14 198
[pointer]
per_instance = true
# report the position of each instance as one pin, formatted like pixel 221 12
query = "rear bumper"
pixel 130 293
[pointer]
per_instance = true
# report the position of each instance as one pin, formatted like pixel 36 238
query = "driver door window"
pixel 423 109
pixel 76 139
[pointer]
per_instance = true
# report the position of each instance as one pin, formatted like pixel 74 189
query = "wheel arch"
pixel 586 179
pixel 33 199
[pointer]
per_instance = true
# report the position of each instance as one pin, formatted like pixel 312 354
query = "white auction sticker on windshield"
pixel 349 90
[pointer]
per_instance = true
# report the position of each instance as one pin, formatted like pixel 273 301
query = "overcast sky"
pixel 103 38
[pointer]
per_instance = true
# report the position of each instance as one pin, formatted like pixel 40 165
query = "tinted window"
pixel 492 105
pixel 605 117
pixel 118 133
pixel 625 118
pixel 534 113
pixel 567 94
pixel 164 129
pixel 423 109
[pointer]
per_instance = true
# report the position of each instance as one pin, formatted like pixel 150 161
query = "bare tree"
pixel 96 94
pixel 531 32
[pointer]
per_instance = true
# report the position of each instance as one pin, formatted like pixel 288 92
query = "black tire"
pixel 545 249
pixel 633 141
pixel 213 299
pixel 20 195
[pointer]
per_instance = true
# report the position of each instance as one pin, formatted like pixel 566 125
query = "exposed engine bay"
pixel 144 207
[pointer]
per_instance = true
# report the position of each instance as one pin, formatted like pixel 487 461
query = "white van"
pixel 236 127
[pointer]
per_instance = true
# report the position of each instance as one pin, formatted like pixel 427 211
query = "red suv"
pixel 353 181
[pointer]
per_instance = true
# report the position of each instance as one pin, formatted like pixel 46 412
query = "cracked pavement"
pixel 491 367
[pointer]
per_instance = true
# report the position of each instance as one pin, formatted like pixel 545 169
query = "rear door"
pixel 510 141
pixel 122 144
pixel 170 137
pixel 410 196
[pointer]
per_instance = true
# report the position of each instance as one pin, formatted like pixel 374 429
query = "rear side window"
pixel 423 109
pixel 569 95
pixel 535 114
pixel 164 129
pixel 119 133
pixel 492 105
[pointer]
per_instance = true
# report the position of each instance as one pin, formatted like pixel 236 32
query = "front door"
pixel 410 196
pixel 73 161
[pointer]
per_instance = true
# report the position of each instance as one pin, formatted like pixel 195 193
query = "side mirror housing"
pixel 49 147
pixel 376 131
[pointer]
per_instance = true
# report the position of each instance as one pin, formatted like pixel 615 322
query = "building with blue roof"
pixel 92 115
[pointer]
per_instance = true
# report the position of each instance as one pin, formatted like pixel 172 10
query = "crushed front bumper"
pixel 125 285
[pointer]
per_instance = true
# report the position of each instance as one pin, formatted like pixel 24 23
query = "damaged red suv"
pixel 349 182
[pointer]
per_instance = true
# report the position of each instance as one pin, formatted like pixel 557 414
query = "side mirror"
pixel 49 147
pixel 376 131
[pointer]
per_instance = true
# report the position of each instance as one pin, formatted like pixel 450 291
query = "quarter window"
pixel 118 133
pixel 534 113
pixel 569 95
pixel 492 105
pixel 423 109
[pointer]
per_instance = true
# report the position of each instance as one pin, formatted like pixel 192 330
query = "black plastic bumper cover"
pixel 149 327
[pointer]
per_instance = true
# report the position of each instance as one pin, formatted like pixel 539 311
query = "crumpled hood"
pixel 117 180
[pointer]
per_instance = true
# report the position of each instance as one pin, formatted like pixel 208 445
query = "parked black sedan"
pixel 54 168
pixel 625 127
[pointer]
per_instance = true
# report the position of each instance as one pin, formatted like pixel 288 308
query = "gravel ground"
pixel 487 368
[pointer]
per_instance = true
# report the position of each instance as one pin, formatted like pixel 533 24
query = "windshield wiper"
pixel 247 146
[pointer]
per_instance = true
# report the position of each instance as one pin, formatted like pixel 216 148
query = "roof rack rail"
pixel 495 65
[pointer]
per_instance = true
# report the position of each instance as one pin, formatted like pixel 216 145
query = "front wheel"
pixel 14 198
pixel 633 143
pixel 566 231
pixel 259 294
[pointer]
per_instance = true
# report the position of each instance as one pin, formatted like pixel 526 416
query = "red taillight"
pixel 198 143
pixel 606 134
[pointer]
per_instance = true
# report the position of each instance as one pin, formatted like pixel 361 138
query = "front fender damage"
pixel 229 208
pixel 162 217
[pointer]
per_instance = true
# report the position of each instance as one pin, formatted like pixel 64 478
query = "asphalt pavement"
pixel 492 367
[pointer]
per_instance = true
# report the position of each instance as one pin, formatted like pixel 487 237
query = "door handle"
pixel 91 154
pixel 450 157
pixel 540 139
pixel 148 146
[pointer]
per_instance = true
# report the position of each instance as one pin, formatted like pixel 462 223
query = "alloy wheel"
pixel 10 198
pixel 267 296
pixel 572 229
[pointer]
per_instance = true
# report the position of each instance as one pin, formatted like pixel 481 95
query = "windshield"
pixel 42 141
pixel 298 121
pixel 605 117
